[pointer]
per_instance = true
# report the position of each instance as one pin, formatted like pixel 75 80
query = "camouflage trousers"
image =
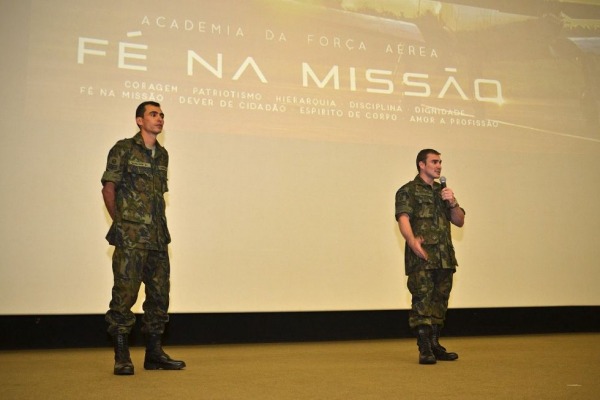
pixel 131 267
pixel 430 290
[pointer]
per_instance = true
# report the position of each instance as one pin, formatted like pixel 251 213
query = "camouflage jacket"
pixel 430 219
pixel 141 182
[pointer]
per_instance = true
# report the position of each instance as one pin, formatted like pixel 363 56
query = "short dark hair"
pixel 422 156
pixel 139 111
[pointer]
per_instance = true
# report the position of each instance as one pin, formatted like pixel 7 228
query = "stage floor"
pixel 564 366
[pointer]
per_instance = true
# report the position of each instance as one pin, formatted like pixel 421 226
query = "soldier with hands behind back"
pixel 134 185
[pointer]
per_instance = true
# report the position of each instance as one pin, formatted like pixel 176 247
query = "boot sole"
pixel 446 356
pixel 126 372
pixel 153 367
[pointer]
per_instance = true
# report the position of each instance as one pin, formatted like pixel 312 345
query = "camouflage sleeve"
pixel 403 203
pixel 166 166
pixel 115 164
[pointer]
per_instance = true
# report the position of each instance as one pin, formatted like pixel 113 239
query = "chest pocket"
pixel 424 223
pixel 425 205
pixel 141 175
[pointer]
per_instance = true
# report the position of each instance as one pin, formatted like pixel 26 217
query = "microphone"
pixel 443 183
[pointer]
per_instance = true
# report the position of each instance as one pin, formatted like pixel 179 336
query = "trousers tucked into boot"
pixel 123 364
pixel 424 342
pixel 438 350
pixel 156 358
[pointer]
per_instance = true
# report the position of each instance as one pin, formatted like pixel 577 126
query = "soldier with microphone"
pixel 425 209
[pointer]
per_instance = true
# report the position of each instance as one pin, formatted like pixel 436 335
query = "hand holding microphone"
pixel 448 194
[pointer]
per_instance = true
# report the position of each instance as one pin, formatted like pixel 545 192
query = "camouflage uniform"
pixel 140 235
pixel 429 282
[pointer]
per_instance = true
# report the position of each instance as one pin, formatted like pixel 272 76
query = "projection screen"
pixel 290 125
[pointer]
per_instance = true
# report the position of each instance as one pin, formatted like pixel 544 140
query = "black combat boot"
pixel 156 358
pixel 438 350
pixel 424 342
pixel 123 364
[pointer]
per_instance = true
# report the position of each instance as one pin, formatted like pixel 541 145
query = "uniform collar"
pixel 421 182
pixel 140 141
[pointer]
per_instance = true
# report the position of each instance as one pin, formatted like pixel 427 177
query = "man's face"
pixel 153 120
pixel 432 167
